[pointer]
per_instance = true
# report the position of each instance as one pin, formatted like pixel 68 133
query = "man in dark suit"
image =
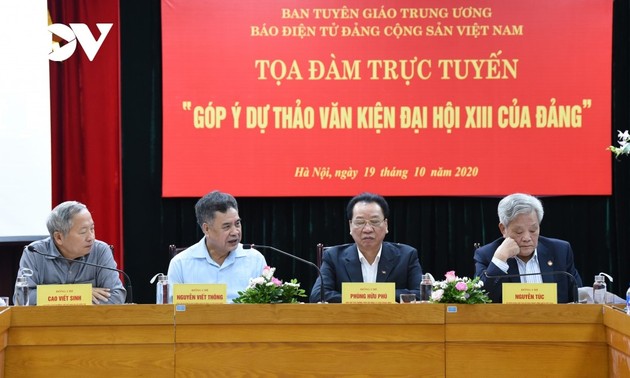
pixel 368 259
pixel 522 250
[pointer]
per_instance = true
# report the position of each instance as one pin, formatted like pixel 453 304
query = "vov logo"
pixel 76 33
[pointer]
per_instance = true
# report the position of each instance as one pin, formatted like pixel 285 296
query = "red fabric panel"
pixel 85 112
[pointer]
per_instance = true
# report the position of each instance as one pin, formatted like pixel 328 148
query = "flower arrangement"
pixel 624 144
pixel 269 289
pixel 459 290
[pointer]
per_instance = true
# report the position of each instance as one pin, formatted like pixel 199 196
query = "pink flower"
pixel 268 272
pixel 461 286
pixel 437 295
pixel 276 281
pixel 256 281
pixel 450 276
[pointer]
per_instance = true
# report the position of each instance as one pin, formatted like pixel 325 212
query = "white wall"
pixel 25 149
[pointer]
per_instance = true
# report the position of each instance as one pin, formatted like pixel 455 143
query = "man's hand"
pixel 100 295
pixel 508 249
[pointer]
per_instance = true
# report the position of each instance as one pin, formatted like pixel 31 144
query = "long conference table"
pixel 310 340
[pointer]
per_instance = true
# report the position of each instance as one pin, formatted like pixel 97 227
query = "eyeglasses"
pixel 359 223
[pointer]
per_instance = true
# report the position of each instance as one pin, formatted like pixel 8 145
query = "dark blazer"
pixel 553 255
pixel 399 263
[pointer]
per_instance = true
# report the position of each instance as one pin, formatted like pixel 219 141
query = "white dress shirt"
pixel 528 267
pixel 368 270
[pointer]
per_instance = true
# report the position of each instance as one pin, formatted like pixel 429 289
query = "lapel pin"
pixel 550 263
pixel 383 272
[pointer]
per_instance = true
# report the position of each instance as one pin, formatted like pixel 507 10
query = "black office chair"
pixel 173 250
pixel 320 253
pixel 321 249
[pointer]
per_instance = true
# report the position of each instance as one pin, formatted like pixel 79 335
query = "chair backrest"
pixel 321 249
pixel 173 250
pixel 320 253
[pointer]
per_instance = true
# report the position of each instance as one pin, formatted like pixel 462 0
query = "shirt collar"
pixel 56 253
pixel 362 258
pixel 202 252
pixel 534 258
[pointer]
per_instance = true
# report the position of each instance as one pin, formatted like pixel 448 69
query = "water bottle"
pixel 599 289
pixel 161 288
pixel 628 301
pixel 426 288
pixel 21 291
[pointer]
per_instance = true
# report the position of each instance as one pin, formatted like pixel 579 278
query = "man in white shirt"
pixel 219 256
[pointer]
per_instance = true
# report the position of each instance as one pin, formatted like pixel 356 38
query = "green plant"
pixel 624 144
pixel 459 290
pixel 269 289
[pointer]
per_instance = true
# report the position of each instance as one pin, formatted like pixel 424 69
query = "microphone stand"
pixel 129 289
pixel 573 280
pixel 321 279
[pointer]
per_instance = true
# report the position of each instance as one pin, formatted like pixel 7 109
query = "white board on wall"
pixel 25 140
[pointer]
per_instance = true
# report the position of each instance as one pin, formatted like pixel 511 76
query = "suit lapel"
pixel 352 264
pixel 546 263
pixel 385 264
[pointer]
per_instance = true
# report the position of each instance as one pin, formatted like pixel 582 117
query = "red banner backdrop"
pixel 85 108
pixel 330 98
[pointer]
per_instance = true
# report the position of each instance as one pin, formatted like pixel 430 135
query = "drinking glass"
pixel 408 298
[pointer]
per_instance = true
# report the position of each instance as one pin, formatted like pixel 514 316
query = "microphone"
pixel 321 279
pixel 554 272
pixel 129 289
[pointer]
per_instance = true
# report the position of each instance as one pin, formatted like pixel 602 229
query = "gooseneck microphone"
pixel 129 289
pixel 321 279
pixel 551 273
